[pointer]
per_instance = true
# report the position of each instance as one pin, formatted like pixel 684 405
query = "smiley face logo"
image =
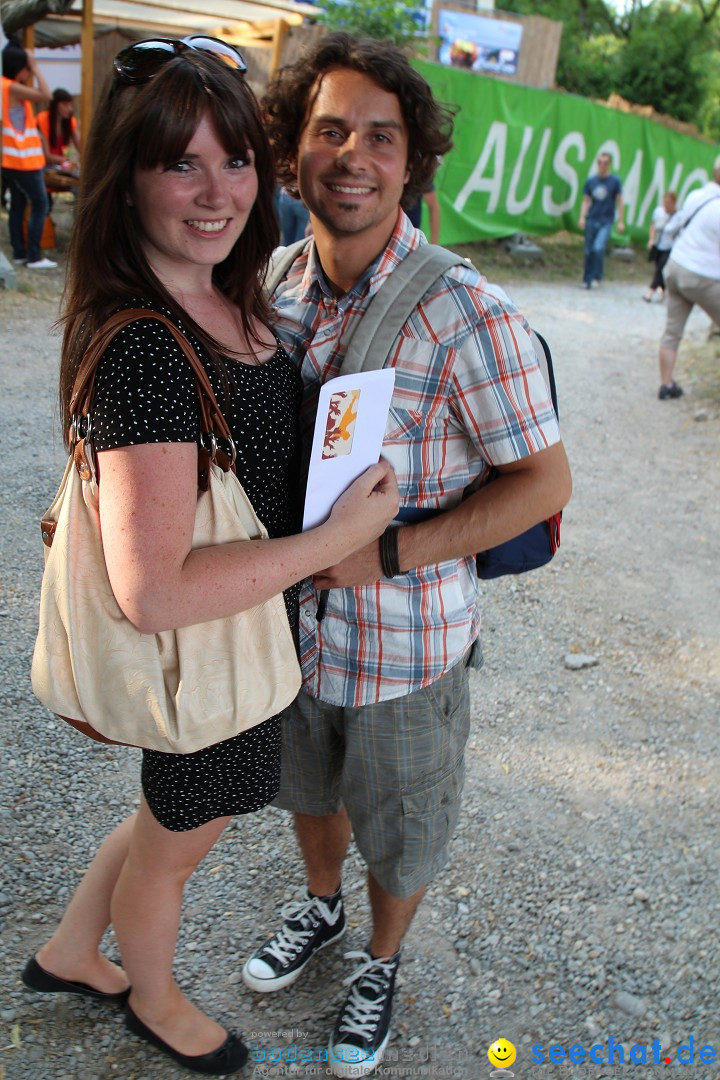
pixel 501 1054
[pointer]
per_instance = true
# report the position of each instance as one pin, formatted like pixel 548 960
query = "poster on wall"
pixel 478 43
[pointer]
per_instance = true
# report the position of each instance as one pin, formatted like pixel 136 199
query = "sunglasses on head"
pixel 143 59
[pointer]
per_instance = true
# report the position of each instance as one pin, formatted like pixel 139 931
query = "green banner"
pixel 522 155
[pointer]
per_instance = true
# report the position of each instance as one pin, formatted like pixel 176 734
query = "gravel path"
pixel 582 902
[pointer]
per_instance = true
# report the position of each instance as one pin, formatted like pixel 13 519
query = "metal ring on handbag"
pixel 212 445
pixel 80 427
pixel 233 453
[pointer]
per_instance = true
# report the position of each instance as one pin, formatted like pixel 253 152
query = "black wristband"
pixel 389 559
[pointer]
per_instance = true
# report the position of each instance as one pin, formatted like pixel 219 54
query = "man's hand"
pixel 360 568
pixel 621 226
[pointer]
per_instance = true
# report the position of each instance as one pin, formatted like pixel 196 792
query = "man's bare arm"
pixel 584 207
pixel 620 204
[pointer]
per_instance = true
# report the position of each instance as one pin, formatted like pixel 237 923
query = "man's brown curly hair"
pixel 287 104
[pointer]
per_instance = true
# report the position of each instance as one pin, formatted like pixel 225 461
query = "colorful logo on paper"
pixel 340 424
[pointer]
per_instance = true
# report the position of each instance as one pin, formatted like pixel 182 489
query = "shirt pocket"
pixel 408 445
pixel 402 423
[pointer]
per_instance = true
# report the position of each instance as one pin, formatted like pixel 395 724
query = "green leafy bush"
pixel 385 20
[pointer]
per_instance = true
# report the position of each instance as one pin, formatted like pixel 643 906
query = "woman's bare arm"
pixel 148 496
pixel 39 94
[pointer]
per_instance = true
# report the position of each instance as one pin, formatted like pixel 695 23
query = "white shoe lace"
pixel 361 1014
pixel 287 943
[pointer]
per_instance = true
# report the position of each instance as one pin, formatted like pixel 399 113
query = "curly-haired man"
pixel 374 744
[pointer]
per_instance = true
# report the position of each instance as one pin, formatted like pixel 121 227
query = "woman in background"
pixel 660 242
pixel 58 128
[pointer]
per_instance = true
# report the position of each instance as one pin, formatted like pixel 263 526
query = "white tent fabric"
pixel 204 15
pixel 172 18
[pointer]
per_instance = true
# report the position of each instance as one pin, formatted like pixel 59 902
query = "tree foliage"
pixel 662 53
pixel 385 20
pixel 588 68
pixel 662 63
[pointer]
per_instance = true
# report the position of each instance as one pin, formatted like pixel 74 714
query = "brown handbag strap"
pixel 212 421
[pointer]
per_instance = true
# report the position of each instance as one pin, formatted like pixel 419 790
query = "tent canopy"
pixel 233 20
pixel 241 22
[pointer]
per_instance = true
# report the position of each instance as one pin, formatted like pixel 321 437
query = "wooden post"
pixel 87 44
pixel 281 29
pixel 29 37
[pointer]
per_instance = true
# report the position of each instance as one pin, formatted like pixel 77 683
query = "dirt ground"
pixel 582 902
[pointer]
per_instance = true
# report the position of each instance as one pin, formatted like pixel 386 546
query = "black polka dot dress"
pixel 145 392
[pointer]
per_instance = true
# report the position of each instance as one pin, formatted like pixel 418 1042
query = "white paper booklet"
pixel 349 427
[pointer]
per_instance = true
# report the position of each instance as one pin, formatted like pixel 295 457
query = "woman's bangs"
pixel 166 128
pixel 237 126
pixel 172 108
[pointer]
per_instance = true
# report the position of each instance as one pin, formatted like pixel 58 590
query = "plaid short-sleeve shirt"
pixel 468 395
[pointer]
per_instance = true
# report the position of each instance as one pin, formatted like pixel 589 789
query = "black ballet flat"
pixel 228 1058
pixel 38 979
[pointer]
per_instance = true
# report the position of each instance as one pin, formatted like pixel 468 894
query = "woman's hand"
pixel 357 519
pixel 362 512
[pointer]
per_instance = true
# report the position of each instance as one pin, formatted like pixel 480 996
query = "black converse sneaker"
pixel 310 925
pixel 363 1026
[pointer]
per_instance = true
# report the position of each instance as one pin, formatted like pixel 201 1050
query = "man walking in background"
pixel 602 198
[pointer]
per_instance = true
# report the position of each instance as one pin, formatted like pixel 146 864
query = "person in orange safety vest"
pixel 23 159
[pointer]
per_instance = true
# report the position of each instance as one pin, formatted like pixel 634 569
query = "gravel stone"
pixel 630 1004
pixel 578 661
pixel 585 865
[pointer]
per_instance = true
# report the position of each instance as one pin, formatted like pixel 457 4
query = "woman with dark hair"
pixel 183 224
pixel 58 127
pixel 23 160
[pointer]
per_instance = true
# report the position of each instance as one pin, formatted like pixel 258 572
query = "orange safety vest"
pixel 20 149
pixel 43 123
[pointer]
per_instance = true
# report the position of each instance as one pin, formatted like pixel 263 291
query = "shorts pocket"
pixel 451 699
pixel 431 807
pixel 433 793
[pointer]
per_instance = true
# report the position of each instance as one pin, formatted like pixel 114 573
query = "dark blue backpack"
pixel 537 545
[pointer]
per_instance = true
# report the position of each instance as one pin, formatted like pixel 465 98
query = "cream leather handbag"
pixel 181 690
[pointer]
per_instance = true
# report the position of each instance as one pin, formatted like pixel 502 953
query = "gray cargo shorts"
pixel 398 768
